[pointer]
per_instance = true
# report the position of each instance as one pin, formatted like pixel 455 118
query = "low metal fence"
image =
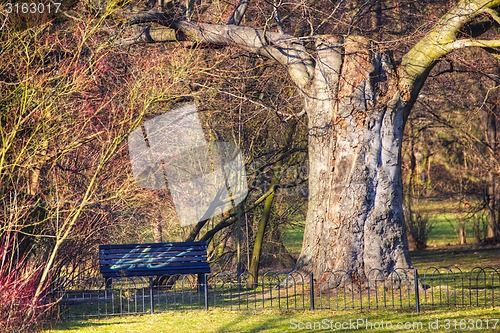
pixel 337 290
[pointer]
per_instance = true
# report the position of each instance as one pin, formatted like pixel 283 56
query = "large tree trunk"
pixel 356 120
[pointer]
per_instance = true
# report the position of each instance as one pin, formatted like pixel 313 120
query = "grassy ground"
pixel 292 238
pixel 463 257
pixel 444 216
pixel 300 321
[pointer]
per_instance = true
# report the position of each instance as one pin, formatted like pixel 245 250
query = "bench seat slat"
pixel 153 267
pixel 153 250
pixel 153 260
pixel 155 271
pixel 151 245
pixel 146 259
pixel 117 274
pixel 152 254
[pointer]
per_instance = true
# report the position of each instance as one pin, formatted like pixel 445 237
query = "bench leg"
pixel 151 295
pixel 108 283
pixel 203 288
pixel 201 283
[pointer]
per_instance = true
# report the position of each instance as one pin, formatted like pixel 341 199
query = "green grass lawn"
pixel 218 321
pixel 444 216
pixel 463 257
pixel 292 238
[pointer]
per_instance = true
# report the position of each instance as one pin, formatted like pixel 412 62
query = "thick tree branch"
pixel 285 49
pixel 462 43
pixel 233 217
pixel 150 35
pixel 417 63
pixel 221 225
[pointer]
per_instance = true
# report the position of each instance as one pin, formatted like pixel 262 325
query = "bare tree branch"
pixel 287 50
pixel 149 17
pixel 462 43
pixel 150 35
pixel 238 13
pixel 493 13
pixel 277 16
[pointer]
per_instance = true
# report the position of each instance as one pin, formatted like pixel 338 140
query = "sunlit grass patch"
pixel 289 321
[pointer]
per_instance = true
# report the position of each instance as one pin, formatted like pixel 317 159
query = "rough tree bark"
pixel 357 99
pixel 356 120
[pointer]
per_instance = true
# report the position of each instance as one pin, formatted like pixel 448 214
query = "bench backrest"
pixel 153 259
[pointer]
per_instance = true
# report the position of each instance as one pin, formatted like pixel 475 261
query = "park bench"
pixel 153 260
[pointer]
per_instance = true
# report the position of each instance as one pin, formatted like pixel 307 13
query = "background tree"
pixel 451 131
pixel 68 100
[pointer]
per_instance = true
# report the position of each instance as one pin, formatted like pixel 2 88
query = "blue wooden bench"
pixel 153 260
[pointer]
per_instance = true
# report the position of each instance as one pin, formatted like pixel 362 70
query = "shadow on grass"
pixel 77 325
pixel 262 326
pixel 283 321
pixel 287 321
pixel 396 322
pixel 465 256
